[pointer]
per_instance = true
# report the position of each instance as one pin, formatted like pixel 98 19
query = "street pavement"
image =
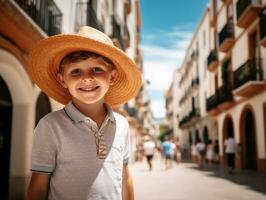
pixel 186 181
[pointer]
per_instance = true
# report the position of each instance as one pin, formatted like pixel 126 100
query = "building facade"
pixel 22 104
pixel 236 76
pixel 223 86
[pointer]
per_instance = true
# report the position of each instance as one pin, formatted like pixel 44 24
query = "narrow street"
pixel 186 181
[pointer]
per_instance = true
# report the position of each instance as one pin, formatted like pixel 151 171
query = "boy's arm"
pixel 127 184
pixel 39 186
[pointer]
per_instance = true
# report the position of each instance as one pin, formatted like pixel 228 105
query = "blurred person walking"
pixel 167 148
pixel 210 153
pixel 149 149
pixel 230 150
pixel 201 147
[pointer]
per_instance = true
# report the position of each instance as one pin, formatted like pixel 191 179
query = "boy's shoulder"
pixel 53 117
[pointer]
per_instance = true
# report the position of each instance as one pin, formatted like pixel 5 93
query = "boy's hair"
pixel 78 56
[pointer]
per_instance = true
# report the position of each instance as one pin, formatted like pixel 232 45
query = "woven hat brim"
pixel 45 57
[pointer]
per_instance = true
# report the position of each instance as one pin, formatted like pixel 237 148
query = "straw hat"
pixel 45 57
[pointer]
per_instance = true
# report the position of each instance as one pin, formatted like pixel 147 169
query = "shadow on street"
pixel 253 180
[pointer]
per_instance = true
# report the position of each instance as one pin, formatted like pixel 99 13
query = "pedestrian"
pixel 149 149
pixel 201 147
pixel 230 150
pixel 194 153
pixel 82 151
pixel 209 153
pixel 167 152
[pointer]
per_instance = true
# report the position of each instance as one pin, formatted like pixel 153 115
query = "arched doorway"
pixel 248 140
pixel 5 137
pixel 205 135
pixel 43 107
pixel 197 137
pixel 228 128
pixel 228 131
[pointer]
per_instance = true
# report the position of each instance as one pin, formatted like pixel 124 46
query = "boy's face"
pixel 88 80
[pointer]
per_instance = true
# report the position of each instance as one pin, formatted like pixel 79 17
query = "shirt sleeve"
pixel 127 148
pixel 44 149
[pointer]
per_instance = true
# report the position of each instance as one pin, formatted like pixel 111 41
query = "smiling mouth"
pixel 88 89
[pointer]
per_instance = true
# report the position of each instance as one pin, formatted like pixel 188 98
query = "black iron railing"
pixel 222 94
pixel 92 19
pixel 85 15
pixel 211 102
pixel 242 5
pixel 226 32
pixel 194 113
pixel 45 13
pixel 251 70
pixel 262 25
pixel 212 57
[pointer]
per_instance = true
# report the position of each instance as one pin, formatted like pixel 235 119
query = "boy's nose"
pixel 88 76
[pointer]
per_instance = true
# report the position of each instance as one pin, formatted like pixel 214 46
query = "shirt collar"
pixel 76 116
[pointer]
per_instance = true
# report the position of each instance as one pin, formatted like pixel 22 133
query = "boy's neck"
pixel 97 112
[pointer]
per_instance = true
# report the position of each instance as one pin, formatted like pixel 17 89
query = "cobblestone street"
pixel 186 181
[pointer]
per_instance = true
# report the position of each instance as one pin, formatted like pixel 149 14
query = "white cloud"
pixel 161 59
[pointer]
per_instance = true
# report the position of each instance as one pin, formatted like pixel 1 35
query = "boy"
pixel 82 151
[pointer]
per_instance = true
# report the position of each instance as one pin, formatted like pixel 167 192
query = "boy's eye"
pixel 75 72
pixel 96 70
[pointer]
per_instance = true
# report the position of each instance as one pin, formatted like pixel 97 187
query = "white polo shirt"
pixel 64 145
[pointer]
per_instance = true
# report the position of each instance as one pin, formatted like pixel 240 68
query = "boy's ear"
pixel 60 79
pixel 113 76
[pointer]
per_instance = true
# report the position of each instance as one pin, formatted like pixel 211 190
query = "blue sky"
pixel 167 28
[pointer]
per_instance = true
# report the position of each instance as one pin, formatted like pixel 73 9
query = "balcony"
pixel 221 100
pixel 46 15
pixel 92 19
pixel 211 105
pixel 85 15
pixel 263 28
pixel 191 118
pixel 212 60
pixel 225 96
pixel 117 37
pixel 247 12
pixel 248 78
pixel 226 37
